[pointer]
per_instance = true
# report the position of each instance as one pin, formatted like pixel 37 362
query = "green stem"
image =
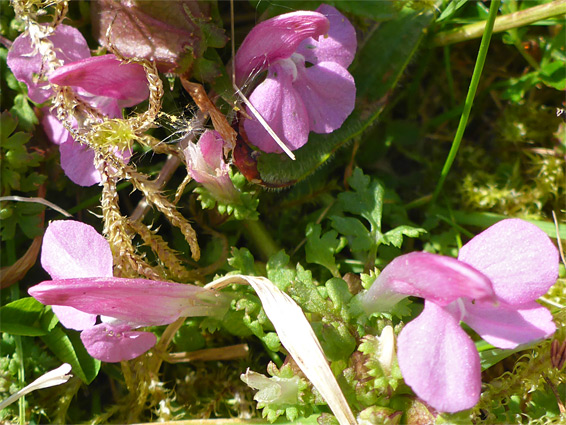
pixel 15 295
pixel 260 237
pixel 494 7
pixel 503 23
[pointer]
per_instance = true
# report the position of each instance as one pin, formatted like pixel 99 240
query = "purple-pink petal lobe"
pixel 26 64
pixel 105 76
pixel 327 108
pixel 138 302
pixel 338 46
pixel 507 326
pixel 279 103
pixel 276 38
pixel 430 276
pixel 77 161
pixel 74 249
pixel 439 361
pixel 72 318
pixel 53 128
pixel 518 257
pixel 116 343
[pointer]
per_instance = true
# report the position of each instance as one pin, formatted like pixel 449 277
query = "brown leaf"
pixel 219 121
pixel 174 34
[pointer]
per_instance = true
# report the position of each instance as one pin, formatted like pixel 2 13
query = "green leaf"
pixel 27 317
pixel 321 249
pixel 233 322
pixel 242 261
pixel 451 9
pixel 554 75
pixel 189 337
pixel 8 124
pixel 24 112
pixel 278 271
pixel 359 237
pixel 69 348
pixel 335 339
pixel 489 355
pixel 395 236
pixel 306 293
pixel 366 200
pixel 339 295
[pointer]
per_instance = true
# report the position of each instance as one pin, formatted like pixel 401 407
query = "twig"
pixel 502 23
pixel 231 352
pixel 37 201
pixel 558 240
pixel 558 399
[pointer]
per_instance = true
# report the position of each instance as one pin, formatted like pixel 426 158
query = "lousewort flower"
pixel 80 262
pixel 307 87
pixel 102 81
pixel 492 287
pixel 206 165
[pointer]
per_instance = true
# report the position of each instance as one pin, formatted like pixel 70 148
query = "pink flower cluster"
pixel 492 287
pixel 103 82
pixel 308 87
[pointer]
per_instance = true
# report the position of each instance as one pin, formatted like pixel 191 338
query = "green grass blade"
pixel 494 7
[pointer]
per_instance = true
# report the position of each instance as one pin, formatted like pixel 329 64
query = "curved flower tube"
pixel 102 81
pixel 492 287
pixel 80 262
pixel 307 87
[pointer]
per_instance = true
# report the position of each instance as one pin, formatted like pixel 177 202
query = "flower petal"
pixel 72 318
pixel 116 343
pixel 211 146
pixel 74 249
pixel 439 361
pixel 105 76
pixel 430 276
pixel 78 163
pixel 327 109
pixel 507 326
pixel 53 128
pixel 69 45
pixel 517 256
pixel 339 46
pixel 138 302
pixel 277 38
pixel 281 106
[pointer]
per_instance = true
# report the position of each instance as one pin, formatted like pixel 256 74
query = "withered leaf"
pixel 174 34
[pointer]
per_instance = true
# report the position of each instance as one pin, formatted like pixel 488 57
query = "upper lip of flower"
pixel 277 38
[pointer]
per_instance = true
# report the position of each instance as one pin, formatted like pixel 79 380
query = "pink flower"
pixel 80 262
pixel 296 98
pixel 206 165
pixel 102 81
pixel 492 287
